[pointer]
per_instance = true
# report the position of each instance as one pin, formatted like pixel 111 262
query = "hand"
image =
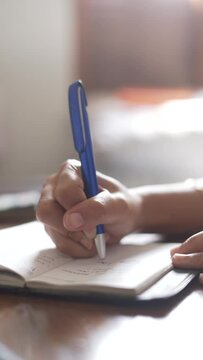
pixel 189 255
pixel 70 218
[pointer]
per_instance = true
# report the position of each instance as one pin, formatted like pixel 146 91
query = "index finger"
pixel 69 186
pixel 193 244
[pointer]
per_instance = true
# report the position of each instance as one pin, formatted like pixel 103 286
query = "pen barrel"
pixel 100 229
pixel 90 182
pixel 89 175
pixel 83 142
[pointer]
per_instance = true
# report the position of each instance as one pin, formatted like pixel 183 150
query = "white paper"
pixel 29 251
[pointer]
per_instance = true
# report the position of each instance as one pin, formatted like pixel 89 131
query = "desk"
pixel 37 328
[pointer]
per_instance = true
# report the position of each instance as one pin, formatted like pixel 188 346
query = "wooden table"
pixel 35 328
pixel 48 328
pixel 39 328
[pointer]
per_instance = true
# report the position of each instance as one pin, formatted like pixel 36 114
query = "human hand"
pixel 70 218
pixel 189 255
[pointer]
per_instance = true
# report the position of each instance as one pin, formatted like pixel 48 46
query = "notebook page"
pixel 125 266
pixel 28 250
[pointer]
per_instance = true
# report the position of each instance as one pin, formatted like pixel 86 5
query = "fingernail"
pixel 177 255
pixel 73 221
pixel 174 250
pixel 178 258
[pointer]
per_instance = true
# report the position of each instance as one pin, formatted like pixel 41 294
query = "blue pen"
pixel 83 145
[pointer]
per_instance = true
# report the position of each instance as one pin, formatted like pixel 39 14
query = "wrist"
pixel 136 209
pixel 151 208
pixel 170 208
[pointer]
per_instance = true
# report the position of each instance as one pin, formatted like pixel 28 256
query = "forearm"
pixel 170 208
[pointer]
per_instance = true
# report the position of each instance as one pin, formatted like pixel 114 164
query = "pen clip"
pixel 77 108
pixel 82 136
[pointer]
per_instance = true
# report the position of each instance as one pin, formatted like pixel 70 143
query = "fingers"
pixel 70 246
pixel 70 218
pixel 188 261
pixel 48 211
pixel 88 214
pixel 189 255
pixel 60 192
pixel 192 244
pixel 105 208
pixel 64 191
pixel 107 182
pixel 68 189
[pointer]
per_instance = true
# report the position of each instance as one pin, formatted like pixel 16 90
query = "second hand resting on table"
pixel 70 218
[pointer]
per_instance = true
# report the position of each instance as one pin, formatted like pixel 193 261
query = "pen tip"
pixel 100 243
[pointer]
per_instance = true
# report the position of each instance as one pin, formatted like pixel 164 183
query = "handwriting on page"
pixel 124 266
pixel 75 270
pixel 28 250
pixel 79 271
pixel 45 261
pixel 86 269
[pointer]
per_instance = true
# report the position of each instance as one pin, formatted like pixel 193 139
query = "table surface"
pixel 37 327
pixel 57 329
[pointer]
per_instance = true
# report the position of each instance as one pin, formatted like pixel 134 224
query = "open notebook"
pixel 138 268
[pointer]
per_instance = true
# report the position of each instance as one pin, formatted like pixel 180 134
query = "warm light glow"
pixel 196 3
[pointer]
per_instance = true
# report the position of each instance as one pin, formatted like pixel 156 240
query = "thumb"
pixel 100 209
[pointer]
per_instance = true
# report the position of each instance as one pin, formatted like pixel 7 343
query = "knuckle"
pixel 70 168
pixel 43 210
pixel 100 205
pixel 76 251
pixel 69 193
pixel 62 247
pixel 61 192
pixel 73 164
pixel 123 203
pixel 49 180
pixel 67 246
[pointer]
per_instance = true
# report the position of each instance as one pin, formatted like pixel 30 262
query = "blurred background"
pixel 142 65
